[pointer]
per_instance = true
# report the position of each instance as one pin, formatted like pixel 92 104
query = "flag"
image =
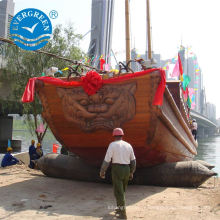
pixel 67 68
pixel 180 64
pixel 189 101
pixel 180 68
pixel 106 67
pixel 176 70
pixel 40 128
pixel 185 94
pixel 193 105
pixel 191 92
pixel 102 62
pixel 186 81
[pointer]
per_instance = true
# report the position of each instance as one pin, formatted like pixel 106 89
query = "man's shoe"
pixel 117 210
pixel 122 215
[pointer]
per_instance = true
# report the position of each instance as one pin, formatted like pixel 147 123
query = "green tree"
pixel 22 65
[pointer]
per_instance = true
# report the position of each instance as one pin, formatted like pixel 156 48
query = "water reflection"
pixel 26 138
pixel 209 151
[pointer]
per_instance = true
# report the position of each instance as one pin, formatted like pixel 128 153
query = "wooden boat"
pixel 82 113
pixel 83 123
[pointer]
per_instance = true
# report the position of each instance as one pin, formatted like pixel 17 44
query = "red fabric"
pixel 102 62
pixel 180 65
pixel 58 82
pixel 158 98
pixel 28 95
pixel 55 148
pixel 92 82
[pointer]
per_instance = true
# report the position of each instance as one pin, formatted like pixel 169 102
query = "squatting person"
pixel 123 166
pixel 39 151
pixel 8 159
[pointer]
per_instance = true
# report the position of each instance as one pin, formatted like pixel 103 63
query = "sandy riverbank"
pixel 28 194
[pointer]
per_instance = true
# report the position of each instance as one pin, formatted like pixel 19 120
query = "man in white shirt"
pixel 123 166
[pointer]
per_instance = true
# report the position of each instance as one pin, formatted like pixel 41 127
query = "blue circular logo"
pixel 30 29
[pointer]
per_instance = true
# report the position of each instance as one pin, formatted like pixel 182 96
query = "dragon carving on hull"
pixel 110 107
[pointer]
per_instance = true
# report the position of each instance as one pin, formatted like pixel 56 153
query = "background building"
pixel 198 97
pixel 190 68
pixel 6 15
pixel 137 67
pixel 211 112
pixel 101 30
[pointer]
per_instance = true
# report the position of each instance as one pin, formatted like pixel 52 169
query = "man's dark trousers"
pixel 120 177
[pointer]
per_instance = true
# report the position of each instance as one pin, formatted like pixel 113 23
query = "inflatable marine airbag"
pixel 180 174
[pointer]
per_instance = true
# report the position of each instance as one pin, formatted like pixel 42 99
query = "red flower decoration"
pixel 92 82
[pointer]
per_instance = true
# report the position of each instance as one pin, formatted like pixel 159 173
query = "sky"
pixel 194 23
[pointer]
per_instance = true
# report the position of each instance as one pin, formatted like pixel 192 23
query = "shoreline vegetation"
pixel 27 193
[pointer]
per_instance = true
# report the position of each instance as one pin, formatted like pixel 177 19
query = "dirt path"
pixel 28 194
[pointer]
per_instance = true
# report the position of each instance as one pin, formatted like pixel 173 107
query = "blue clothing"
pixel 32 152
pixel 33 155
pixel 9 160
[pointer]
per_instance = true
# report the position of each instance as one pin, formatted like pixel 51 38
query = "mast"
pixel 127 30
pixel 148 31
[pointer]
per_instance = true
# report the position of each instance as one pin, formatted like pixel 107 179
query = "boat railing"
pixel 175 89
pixel 185 110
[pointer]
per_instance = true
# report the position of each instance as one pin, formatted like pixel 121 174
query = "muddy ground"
pixel 28 194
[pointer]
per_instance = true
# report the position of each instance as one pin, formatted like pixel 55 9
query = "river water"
pixel 208 149
pixel 26 137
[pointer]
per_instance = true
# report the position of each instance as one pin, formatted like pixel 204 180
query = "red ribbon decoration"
pixel 92 82
pixel 28 95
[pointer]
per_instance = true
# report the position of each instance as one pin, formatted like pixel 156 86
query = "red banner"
pixel 92 82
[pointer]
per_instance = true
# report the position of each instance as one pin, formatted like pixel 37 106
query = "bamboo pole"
pixel 127 30
pixel 75 62
pixel 148 30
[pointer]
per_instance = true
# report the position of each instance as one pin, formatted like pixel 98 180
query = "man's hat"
pixel 118 132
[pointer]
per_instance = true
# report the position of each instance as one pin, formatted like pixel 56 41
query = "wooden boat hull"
pixel 84 124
